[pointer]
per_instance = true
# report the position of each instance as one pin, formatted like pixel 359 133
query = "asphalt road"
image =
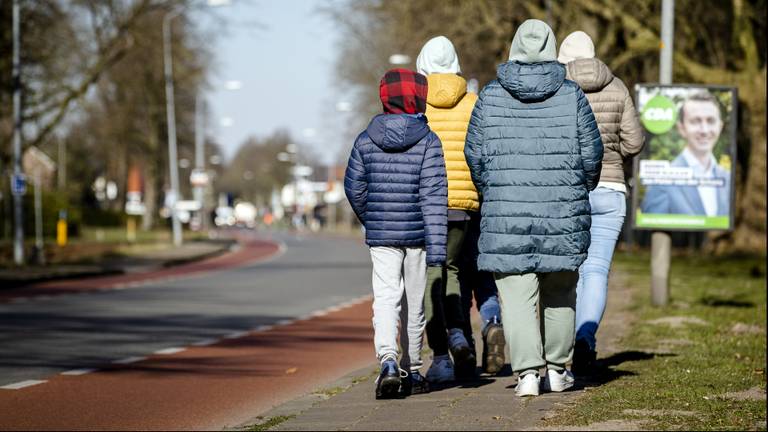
pixel 49 335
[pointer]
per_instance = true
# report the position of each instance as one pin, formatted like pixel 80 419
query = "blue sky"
pixel 283 52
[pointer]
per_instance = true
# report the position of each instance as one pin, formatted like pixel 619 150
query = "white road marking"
pixel 204 342
pixel 284 322
pixel 78 372
pixel 319 313
pixel 129 360
pixel 22 384
pixel 263 328
pixel 236 335
pixel 169 351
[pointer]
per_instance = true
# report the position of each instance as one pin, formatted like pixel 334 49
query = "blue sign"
pixel 18 184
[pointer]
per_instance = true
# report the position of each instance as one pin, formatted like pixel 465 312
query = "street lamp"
pixel 17 182
pixel 170 109
pixel 399 59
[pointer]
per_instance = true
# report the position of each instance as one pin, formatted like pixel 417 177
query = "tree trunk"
pixel 749 235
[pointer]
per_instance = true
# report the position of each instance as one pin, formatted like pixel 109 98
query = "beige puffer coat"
pixel 620 129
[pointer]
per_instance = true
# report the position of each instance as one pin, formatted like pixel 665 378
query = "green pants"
pixel 442 302
pixel 538 312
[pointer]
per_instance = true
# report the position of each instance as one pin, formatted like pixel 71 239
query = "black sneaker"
pixel 388 381
pixel 464 362
pixel 413 384
pixel 584 359
pixel 494 346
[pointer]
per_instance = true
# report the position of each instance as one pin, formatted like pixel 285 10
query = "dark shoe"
pixel 464 359
pixel 413 384
pixel 493 348
pixel 584 359
pixel 388 381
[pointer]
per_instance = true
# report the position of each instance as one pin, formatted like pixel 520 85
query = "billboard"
pixel 684 177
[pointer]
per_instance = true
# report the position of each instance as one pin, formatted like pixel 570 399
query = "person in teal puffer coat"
pixel 534 152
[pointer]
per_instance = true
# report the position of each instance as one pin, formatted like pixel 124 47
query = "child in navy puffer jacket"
pixel 397 186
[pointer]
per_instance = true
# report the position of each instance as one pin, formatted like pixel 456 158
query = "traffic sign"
pixel 18 184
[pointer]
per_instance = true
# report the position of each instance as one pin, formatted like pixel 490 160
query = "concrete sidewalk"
pixel 488 403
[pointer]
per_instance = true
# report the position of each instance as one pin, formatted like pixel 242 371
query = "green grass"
pixel 680 383
pixel 118 235
pixel 269 423
pixel 330 392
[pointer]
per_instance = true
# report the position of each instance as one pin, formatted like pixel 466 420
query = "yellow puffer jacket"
pixel 449 107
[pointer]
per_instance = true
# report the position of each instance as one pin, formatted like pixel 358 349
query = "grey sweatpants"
pixel 397 270
pixel 522 297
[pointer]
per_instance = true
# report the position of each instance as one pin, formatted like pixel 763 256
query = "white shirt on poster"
pixel 708 194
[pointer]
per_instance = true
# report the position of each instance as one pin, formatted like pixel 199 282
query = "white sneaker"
pixel 528 385
pixel 558 381
pixel 441 370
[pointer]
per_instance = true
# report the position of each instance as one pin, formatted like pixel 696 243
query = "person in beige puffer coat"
pixel 623 138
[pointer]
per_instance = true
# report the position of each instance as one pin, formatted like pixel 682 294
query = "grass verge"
pixel 269 423
pixel 696 364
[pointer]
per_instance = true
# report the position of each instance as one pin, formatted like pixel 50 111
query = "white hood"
pixel 438 56
pixel 577 45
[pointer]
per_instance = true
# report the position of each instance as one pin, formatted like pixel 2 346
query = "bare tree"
pixel 715 42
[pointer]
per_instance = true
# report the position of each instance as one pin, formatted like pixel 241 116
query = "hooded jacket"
pixel 449 108
pixel 534 152
pixel 395 181
pixel 622 135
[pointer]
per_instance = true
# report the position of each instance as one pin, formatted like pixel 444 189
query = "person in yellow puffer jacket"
pixel 450 289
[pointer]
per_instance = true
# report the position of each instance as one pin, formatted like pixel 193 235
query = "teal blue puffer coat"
pixel 534 151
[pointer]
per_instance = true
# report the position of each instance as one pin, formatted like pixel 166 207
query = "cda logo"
pixel 659 114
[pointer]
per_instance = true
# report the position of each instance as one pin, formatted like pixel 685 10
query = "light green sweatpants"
pixel 527 330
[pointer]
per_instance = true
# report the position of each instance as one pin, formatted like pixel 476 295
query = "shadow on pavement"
pixel 604 371
pixel 713 301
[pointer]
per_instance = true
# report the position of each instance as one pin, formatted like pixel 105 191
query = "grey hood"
pixel 534 42
pixel 531 82
pixel 590 74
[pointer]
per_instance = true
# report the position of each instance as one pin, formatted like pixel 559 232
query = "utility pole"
pixel 331 206
pixel 39 243
pixel 170 109
pixel 199 149
pixel 661 242
pixel 18 238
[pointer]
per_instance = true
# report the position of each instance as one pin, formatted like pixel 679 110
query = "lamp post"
pixel 170 109
pixel 289 155
pixel 661 242
pixel 171 113
pixel 18 179
pixel 399 59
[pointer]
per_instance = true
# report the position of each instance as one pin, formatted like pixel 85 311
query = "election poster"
pixel 684 177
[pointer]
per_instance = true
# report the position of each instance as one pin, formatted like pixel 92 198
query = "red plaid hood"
pixel 403 91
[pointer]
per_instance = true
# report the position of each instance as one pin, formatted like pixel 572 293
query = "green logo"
pixel 659 115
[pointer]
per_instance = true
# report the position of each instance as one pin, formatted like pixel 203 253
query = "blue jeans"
pixel 609 209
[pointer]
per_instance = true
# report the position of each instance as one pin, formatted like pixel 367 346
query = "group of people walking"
pixel 514 198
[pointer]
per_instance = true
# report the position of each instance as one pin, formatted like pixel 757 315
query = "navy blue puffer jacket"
pixel 534 151
pixel 397 186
